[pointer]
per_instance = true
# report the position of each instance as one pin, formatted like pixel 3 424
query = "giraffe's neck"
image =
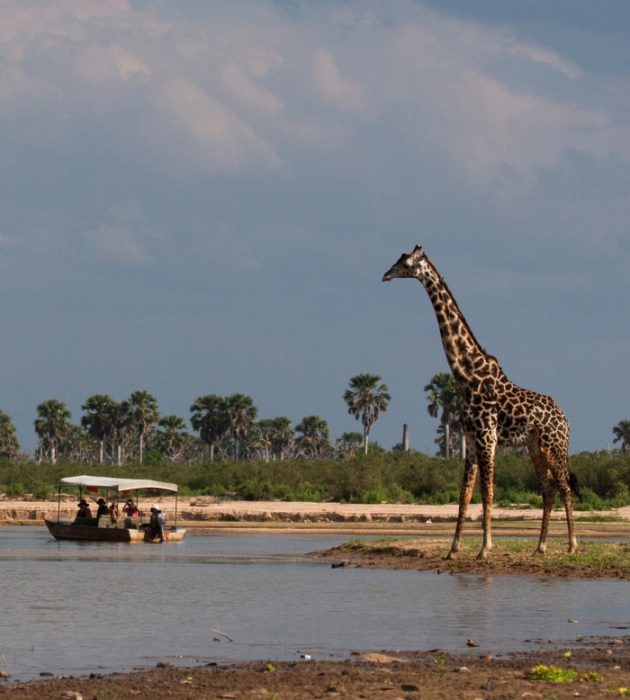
pixel 464 353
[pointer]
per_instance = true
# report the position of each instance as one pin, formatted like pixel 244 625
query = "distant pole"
pixel 405 439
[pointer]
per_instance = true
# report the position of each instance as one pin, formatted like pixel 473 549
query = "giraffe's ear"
pixel 417 250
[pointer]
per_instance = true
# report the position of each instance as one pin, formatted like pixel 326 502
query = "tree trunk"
pixel 366 439
pixel 141 446
pixel 405 438
pixel 447 440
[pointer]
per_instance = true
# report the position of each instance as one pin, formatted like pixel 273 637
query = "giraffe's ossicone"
pixel 494 411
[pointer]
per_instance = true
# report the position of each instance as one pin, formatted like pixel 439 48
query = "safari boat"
pixel 103 529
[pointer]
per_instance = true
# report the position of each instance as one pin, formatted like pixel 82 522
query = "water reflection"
pixel 80 607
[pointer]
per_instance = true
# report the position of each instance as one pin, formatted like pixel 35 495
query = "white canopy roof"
pixel 106 482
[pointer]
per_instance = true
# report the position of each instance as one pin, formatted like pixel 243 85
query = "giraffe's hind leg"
pixel 567 498
pixel 553 474
pixel 548 496
pixel 547 489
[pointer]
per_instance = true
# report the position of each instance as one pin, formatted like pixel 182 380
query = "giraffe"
pixel 494 410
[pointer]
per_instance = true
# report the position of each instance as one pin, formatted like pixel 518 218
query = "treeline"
pixel 398 477
pixel 133 430
pixel 118 432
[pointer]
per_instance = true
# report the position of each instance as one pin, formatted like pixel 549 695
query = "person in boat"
pixel 102 507
pixel 113 512
pixel 130 509
pixel 84 510
pixel 156 524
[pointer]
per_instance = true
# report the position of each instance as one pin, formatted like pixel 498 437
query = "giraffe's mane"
pixel 459 311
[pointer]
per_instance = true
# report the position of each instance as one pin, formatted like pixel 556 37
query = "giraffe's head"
pixel 413 265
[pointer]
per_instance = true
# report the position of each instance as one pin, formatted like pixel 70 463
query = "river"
pixel 77 608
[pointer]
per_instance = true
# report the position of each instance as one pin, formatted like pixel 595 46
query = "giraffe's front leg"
pixel 486 472
pixel 487 498
pixel 465 494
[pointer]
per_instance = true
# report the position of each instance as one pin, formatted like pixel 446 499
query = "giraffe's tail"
pixel 573 483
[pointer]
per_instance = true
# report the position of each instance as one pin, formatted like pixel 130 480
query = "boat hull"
pixel 67 530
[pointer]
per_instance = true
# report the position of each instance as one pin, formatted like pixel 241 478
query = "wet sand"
pixel 591 668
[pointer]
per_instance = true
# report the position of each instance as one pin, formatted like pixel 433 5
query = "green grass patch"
pixel 555 674
pixel 508 556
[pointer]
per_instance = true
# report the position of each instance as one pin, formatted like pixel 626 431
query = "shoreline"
pixel 208 515
pixel 206 511
pixel 595 667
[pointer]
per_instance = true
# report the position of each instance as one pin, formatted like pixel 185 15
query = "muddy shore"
pixel 589 668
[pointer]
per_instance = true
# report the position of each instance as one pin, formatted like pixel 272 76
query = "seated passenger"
pixel 113 512
pixel 102 508
pixel 130 509
pixel 84 510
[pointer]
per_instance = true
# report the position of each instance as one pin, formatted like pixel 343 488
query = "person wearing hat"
pixel 84 510
pixel 102 508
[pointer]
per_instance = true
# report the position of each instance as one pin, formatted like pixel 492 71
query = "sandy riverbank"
pixel 207 512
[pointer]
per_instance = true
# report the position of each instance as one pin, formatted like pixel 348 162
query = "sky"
pixel 203 197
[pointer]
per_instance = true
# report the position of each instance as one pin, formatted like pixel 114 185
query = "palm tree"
pixel 314 441
pixel 144 414
pixel 77 446
pixel 366 398
pixel 120 421
pixel 348 445
pixel 9 444
pixel 277 436
pixel 622 434
pixel 210 420
pixel 172 435
pixel 97 420
pixel 241 414
pixel 52 425
pixel 443 395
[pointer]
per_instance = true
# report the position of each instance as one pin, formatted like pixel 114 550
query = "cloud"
pixel 273 152
pixel 109 64
pixel 539 54
pixel 118 244
pixel 342 93
pixel 221 138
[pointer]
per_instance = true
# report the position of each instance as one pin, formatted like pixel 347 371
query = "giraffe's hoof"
pixel 538 551
pixel 451 555
pixel 483 554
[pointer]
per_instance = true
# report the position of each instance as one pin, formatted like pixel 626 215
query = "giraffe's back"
pixel 522 413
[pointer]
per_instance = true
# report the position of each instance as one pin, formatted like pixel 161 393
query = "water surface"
pixel 70 607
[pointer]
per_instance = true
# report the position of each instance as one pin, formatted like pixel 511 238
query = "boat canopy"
pixel 116 483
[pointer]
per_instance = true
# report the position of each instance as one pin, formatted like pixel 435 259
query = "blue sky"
pixel 202 198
